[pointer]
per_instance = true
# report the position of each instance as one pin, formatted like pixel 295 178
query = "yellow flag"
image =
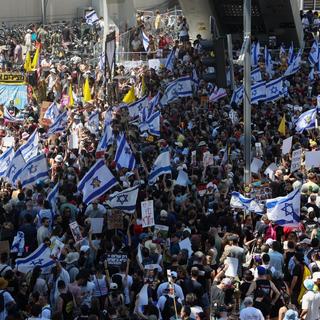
pixel 129 97
pixel 35 59
pixel 86 91
pixel 143 87
pixel 282 126
pixel 70 94
pixel 27 62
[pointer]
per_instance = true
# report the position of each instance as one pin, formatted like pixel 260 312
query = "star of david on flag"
pixel 124 200
pixel 307 120
pixel 285 211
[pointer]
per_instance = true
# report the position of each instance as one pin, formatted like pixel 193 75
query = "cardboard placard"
pixel 96 225
pixel 43 108
pixel 75 230
pixel 115 220
pixel 161 230
pixel 147 213
pixel 116 259
pixel 296 160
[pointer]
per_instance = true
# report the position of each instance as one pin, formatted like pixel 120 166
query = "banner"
pixel 116 259
pixel 13 78
pixel 17 93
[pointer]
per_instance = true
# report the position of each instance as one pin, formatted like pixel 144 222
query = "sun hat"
pixel 58 158
pixel 71 257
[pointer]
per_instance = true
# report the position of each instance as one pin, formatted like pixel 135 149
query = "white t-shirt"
pixel 311 302
pixel 7 298
pixel 251 313
pixel 87 293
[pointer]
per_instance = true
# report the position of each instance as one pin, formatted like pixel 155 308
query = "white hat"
pixel 25 135
pixel 71 257
pixel 210 185
pixel 84 248
pixel 226 281
pixel 29 30
pixel 269 242
pixel 163 213
pixel 58 158
pixel 310 209
pixel 53 70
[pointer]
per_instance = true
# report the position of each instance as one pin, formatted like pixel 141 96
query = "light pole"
pixel 247 90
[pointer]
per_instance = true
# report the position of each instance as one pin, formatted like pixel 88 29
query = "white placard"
pixel 57 247
pixel 194 157
pixel 256 165
pixel 96 225
pixel 147 213
pixel 286 145
pixel 296 160
pixel 271 170
pixel 73 141
pixel 207 159
pixel 143 295
pixel 8 142
pixel 232 270
pixel 186 244
pixel 312 159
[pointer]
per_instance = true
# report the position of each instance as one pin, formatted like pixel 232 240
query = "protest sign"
pixel 312 159
pixel 13 78
pixel 286 145
pixel 232 270
pixel 75 230
pixel 296 160
pixel 56 248
pixel 116 259
pixel 186 244
pixel 256 165
pixel 207 159
pixel 73 141
pixel 271 170
pixel 115 220
pixel 96 225
pixel 8 141
pixel 161 230
pixel 43 108
pixel 18 93
pixel 147 213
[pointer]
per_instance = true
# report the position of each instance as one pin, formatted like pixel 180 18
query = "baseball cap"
pixel 308 283
pixel 261 271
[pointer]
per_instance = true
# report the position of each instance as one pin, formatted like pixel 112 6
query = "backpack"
pixel 169 310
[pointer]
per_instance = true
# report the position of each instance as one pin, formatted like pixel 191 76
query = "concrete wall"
pixel 23 11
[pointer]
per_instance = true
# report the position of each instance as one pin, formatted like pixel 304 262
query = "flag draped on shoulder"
pixel 285 211
pixel 124 200
pixel 124 156
pixel 238 201
pixel 40 257
pixel 96 182
pixel 5 160
pixel 145 41
pixel 161 166
pixel 307 120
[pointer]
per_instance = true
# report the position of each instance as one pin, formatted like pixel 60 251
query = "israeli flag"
pixel 93 119
pixel 35 169
pixel 96 182
pixel 237 95
pixel 106 139
pixel 53 196
pixel 136 107
pixel 18 243
pixel 291 54
pixel 258 92
pixel 124 157
pixel 52 112
pixel 10 118
pixel 294 66
pixel 217 94
pixel 124 200
pixel 40 257
pixel 152 124
pixel 285 211
pixel 161 166
pixel 256 75
pixel 268 62
pixel 274 90
pixel 307 120
pixel 238 201
pixel 31 147
pixel 5 160
pixel 91 18
pixel 183 179
pixel 314 53
pixel 255 52
pixel 145 41
pixel 311 75
pixel 154 101
pixel 195 78
pixel 15 167
pixel 170 60
pixel 282 51
pixel 59 124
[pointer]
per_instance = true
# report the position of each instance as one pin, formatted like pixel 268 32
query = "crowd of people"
pixel 127 271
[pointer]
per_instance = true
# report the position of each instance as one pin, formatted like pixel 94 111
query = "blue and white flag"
pixel 106 139
pixel 268 62
pixel 16 93
pixel 170 60
pixel 258 92
pixel 124 200
pixel 52 112
pixel 35 169
pixel 314 53
pixel 183 179
pixel 311 75
pixel 59 124
pixel 290 54
pixel 161 166
pixel 53 196
pixel 91 17
pixel 96 182
pixel 282 51
pixel 152 124
pixel 9 117
pixel 40 257
pixel 31 148
pixel 307 120
pixel 255 52
pixel 237 95
pixel 93 119
pixel 256 75
pixel 195 78
pixel 285 211
pixel 5 160
pixel 154 101
pixel 238 201
pixel 124 157
pixel 15 167
pixel 294 66
pixel 136 107
pixel 274 90
pixel 145 41
pixel 102 61
pixel 18 243
pixel 217 94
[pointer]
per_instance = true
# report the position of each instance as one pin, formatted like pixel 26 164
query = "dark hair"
pixel 34 276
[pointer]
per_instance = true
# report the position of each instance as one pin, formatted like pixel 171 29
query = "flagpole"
pixel 247 90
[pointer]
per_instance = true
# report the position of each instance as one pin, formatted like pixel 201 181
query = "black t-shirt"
pixel 298 272
pixel 193 286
